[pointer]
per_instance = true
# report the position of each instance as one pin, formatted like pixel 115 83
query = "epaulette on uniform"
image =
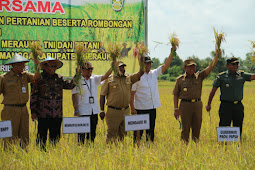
pixel 110 78
pixel 221 73
pixel 5 74
pixel 181 76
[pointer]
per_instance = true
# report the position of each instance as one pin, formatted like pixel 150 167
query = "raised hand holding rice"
pixel 36 51
pixel 219 38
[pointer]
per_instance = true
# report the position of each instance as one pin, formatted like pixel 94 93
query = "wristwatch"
pixel 176 108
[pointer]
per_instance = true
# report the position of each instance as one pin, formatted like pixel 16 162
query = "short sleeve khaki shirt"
pixel 117 90
pixel 189 87
pixel 15 87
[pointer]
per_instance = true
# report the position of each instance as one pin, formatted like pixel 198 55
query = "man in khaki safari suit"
pixel 14 87
pixel 117 91
pixel 188 88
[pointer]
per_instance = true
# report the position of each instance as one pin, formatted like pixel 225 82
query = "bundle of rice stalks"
pixel 142 50
pixel 219 38
pixel 80 52
pixel 174 41
pixel 252 45
pixel 253 52
pixel 114 50
pixel 36 51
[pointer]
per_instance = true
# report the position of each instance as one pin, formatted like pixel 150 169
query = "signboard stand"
pixel 5 129
pixel 137 123
pixel 76 125
pixel 228 134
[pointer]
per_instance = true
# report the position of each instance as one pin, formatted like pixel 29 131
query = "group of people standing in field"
pixel 123 94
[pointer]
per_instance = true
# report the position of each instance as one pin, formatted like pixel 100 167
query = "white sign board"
pixel 137 122
pixel 228 134
pixel 76 125
pixel 5 129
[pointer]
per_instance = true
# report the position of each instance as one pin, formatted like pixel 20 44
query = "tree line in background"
pixel 177 66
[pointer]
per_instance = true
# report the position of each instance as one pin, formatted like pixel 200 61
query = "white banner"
pixel 76 125
pixel 137 122
pixel 5 129
pixel 228 134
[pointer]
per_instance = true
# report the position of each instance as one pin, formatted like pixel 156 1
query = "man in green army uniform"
pixel 117 91
pixel 188 88
pixel 231 84
pixel 14 87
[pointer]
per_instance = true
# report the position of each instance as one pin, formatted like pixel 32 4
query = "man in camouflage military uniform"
pixel 14 87
pixel 188 88
pixel 117 91
pixel 231 84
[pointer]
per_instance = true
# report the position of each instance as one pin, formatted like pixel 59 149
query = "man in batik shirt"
pixel 47 101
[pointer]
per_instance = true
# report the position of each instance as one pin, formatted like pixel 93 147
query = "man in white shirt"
pixel 85 98
pixel 145 96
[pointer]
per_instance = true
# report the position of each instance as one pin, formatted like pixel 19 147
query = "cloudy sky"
pixel 193 22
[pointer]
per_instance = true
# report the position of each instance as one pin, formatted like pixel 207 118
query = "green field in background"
pixel 167 152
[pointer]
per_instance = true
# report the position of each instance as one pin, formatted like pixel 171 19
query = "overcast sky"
pixel 193 22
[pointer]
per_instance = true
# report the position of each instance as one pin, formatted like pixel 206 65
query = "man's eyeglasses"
pixel 89 69
pixel 233 64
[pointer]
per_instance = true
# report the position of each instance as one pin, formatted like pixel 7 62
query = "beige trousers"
pixel 191 118
pixel 20 124
pixel 115 120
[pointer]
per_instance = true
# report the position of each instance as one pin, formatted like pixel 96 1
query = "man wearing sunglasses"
pixel 46 101
pixel 231 84
pixel 85 99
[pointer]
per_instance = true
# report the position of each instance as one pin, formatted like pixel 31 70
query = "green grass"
pixel 168 152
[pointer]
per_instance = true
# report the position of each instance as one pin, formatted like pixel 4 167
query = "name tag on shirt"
pixel 24 89
pixel 91 100
pixel 239 78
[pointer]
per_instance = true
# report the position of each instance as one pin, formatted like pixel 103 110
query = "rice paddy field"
pixel 167 152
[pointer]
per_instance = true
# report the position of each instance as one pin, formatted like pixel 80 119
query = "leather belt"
pixel 234 102
pixel 192 100
pixel 16 105
pixel 116 108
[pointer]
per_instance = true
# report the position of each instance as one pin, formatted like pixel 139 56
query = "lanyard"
pixel 89 86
